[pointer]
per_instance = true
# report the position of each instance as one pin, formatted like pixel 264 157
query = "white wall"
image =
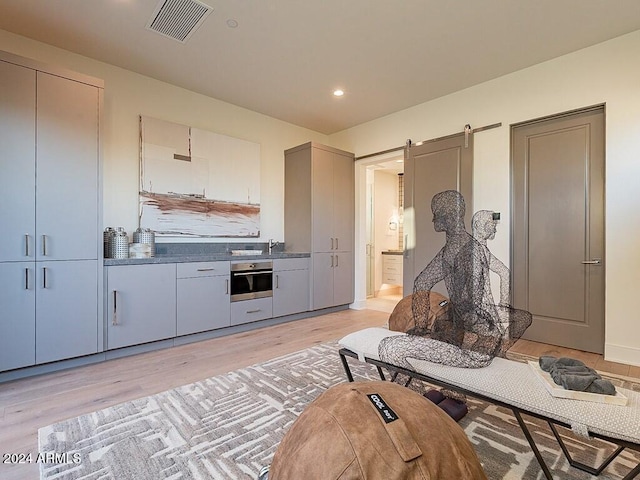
pixel 605 73
pixel 128 95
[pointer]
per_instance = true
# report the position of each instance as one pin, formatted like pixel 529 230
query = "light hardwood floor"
pixel 28 404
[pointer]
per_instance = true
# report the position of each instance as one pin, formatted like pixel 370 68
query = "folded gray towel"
pixel 588 383
pixel 559 373
pixel 573 374
pixel 548 362
pixel 569 362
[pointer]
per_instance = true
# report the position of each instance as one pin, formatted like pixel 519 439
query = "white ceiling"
pixel 286 57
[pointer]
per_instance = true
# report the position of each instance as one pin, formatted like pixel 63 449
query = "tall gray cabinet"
pixel 320 218
pixel 50 253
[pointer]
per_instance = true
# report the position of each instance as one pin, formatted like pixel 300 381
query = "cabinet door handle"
pixel 114 317
pixel 254 311
pixel 337 260
pixel 337 248
pixel 277 281
pixel 26 279
pixel 26 244
pixel 44 277
pixel 331 260
pixel 206 269
pixel 44 245
pixel 331 243
pixel 226 286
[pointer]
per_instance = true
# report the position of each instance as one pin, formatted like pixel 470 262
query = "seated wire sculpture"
pixel 474 329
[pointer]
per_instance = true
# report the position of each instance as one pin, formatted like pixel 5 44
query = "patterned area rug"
pixel 229 426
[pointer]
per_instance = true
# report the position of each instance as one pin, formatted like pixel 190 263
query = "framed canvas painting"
pixel 197 183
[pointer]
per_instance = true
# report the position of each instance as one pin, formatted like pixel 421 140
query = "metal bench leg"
pixel 581 466
pixel 532 444
pixel 347 370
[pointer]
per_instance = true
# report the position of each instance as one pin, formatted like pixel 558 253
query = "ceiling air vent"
pixel 178 19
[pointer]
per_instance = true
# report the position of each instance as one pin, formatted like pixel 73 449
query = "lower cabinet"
pixel 150 302
pixel 66 309
pixel 203 301
pixel 141 304
pixel 290 286
pixel 18 318
pixel 392 269
pixel 49 311
pixel 332 279
pixel 246 311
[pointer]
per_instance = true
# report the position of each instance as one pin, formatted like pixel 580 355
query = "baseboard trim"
pixel 622 354
pixel 359 305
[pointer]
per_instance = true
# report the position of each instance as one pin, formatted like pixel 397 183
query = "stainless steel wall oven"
pixel 251 280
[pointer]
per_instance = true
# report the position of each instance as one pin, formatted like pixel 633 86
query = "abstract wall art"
pixel 197 183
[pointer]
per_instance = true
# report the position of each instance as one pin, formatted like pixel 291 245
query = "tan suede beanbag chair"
pixel 374 430
pixel 401 319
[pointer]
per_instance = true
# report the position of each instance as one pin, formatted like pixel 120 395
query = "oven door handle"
pixel 245 274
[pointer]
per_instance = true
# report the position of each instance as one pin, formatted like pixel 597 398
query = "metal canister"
pixel 146 235
pixel 120 244
pixel 107 238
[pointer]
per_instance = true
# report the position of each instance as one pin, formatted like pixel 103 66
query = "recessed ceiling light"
pixel 338 93
pixel 232 23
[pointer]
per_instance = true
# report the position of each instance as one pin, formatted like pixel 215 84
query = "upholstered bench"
pixel 514 385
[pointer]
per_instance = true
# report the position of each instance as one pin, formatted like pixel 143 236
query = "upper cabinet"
pixel 17 161
pixel 319 199
pixel 332 200
pixel 49 158
pixel 67 169
pixel 320 218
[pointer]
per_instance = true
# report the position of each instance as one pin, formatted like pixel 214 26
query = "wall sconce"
pixel 394 220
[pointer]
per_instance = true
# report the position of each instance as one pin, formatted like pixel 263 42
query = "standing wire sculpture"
pixel 473 329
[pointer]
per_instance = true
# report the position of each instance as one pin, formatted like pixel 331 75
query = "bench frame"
pixel 517 412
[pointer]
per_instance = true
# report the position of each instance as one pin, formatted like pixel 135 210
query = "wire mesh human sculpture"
pixel 473 329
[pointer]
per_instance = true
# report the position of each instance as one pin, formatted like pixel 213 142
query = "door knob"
pixel 596 261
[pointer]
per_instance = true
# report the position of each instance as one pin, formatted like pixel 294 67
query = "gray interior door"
pixel 430 168
pixel 558 228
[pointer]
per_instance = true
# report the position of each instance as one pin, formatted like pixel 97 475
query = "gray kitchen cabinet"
pixel 203 301
pixel 333 200
pixel 333 279
pixel 66 309
pixel 17 162
pixel 50 213
pixel 18 325
pixel 141 304
pixel 343 278
pixel 67 188
pixel 319 218
pixel 246 311
pixel 290 286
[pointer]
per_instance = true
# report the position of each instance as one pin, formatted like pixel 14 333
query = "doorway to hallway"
pixel 380 181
